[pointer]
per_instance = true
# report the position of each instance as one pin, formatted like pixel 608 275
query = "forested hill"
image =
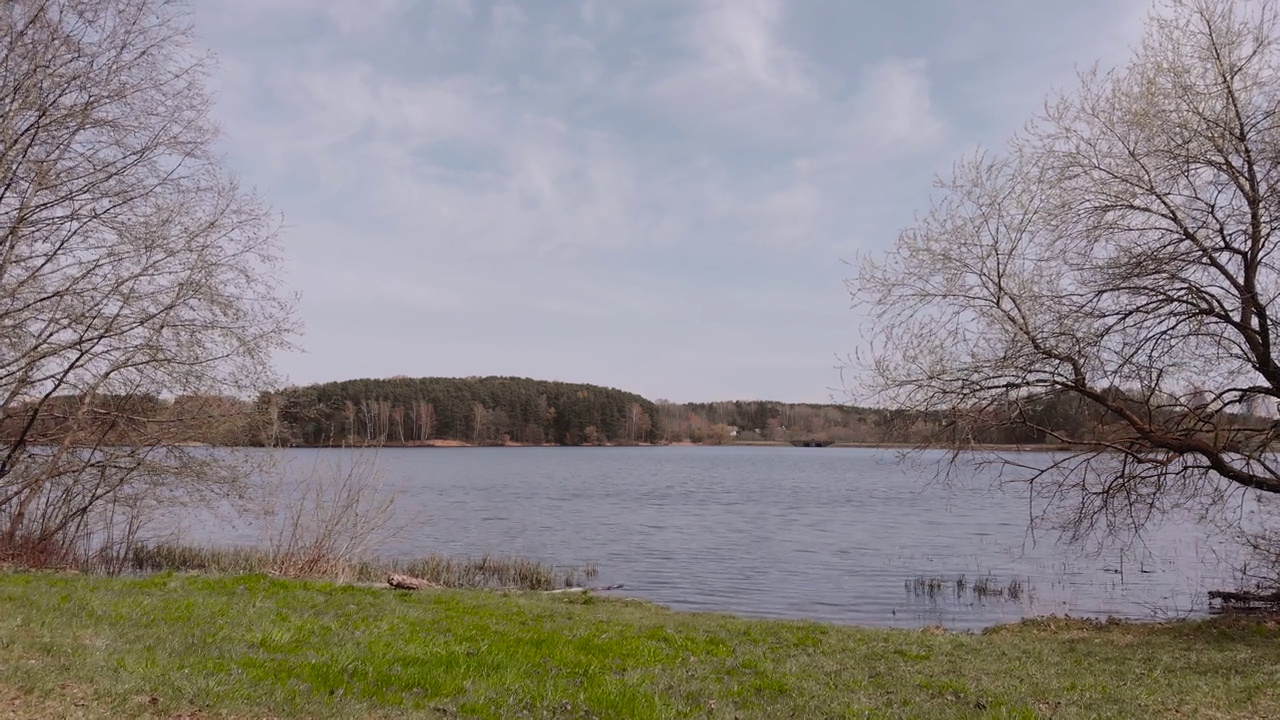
pixel 475 410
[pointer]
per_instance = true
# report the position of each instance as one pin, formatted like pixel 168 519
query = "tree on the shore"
pixel 132 265
pixel 1116 262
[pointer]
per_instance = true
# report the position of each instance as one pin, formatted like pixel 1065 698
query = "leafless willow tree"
pixel 1109 282
pixel 133 269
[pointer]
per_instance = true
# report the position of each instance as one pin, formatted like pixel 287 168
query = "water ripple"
pixel 825 534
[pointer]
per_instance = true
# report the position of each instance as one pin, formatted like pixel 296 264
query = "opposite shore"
pixel 977 447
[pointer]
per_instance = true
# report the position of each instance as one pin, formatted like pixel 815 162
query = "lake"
pixel 831 534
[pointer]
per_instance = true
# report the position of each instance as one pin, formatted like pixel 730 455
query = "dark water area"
pixel 830 534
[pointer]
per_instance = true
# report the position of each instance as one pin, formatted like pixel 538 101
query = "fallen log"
pixel 604 588
pixel 1245 598
pixel 408 582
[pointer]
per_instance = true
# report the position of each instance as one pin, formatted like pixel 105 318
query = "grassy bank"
pixel 249 646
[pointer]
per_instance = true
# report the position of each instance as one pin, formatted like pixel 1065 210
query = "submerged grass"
pixel 488 571
pixel 254 646
pixel 986 587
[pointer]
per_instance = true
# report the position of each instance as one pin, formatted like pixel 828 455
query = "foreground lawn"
pixel 180 645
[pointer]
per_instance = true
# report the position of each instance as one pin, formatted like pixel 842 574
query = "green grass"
pixel 251 646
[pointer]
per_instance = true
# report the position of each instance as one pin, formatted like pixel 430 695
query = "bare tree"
pixel 1115 264
pixel 368 419
pixel 636 424
pixel 323 521
pixel 132 264
pixel 349 412
pixel 480 425
pixel 396 420
pixel 426 420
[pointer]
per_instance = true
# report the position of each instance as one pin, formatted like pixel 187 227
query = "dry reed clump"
pixel 320 522
pixel 191 558
pixel 324 522
pixel 488 571
pixel 30 552
pixel 71 518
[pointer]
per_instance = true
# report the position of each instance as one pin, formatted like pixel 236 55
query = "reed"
pixel 487 571
pixel 986 587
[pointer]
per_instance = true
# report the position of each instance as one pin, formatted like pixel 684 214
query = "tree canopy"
pixel 133 266
pixel 1116 259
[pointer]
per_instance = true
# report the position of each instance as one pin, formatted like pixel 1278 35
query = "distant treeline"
pixel 476 410
pixel 502 410
pixel 103 419
pixel 1048 418
pixel 409 411
pixel 1060 416
pixel 757 420
pixel 506 410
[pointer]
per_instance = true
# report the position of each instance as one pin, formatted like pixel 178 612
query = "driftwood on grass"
pixel 1245 598
pixel 1245 602
pixel 587 589
pixel 408 582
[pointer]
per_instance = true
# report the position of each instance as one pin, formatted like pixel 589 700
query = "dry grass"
pixel 488 571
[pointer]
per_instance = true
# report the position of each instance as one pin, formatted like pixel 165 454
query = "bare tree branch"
pixel 1107 283
pixel 133 268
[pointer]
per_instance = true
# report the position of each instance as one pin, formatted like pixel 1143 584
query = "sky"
pixel 659 195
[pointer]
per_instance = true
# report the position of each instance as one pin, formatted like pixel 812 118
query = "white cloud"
pixel 790 214
pixel 459 7
pixel 344 101
pixel 348 18
pixel 367 16
pixel 403 292
pixel 739 39
pixel 893 104
pixel 539 186
pixel 738 73
pixel 660 163
pixel 509 22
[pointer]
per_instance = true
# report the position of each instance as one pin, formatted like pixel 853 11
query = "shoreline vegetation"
pixel 515 412
pixel 977 447
pixel 248 645
pixel 491 572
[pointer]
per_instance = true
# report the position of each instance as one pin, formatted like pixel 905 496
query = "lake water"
pixel 829 534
